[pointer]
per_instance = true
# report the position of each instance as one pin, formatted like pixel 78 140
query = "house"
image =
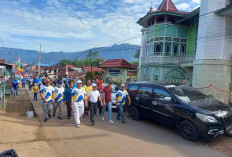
pixel 57 72
pixel 93 69
pixel 116 70
pixel 193 46
pixel 168 44
pixel 9 67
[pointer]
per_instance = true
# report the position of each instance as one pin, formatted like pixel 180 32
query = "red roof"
pixel 94 68
pixel 168 6
pixel 2 60
pixel 117 63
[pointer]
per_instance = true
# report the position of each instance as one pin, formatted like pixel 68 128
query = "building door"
pixel 156 76
pixel 175 76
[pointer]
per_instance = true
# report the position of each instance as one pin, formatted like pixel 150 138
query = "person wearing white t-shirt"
pixel 77 102
pixel 93 97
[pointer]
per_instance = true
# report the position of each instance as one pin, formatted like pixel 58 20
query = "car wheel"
pixel 188 130
pixel 134 113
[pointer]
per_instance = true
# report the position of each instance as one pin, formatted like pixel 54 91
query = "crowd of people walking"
pixel 81 99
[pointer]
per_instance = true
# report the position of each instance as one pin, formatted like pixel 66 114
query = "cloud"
pixel 183 6
pixel 73 25
pixel 25 1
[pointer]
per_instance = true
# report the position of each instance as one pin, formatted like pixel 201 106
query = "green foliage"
pixel 95 55
pixel 136 63
pixel 64 62
pixel 80 63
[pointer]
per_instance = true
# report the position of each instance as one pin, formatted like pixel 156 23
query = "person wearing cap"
pixel 93 97
pixel 35 90
pixel 87 88
pixel 77 102
pixel 15 86
pixel 59 95
pixel 107 91
pixel 121 97
pixel 47 95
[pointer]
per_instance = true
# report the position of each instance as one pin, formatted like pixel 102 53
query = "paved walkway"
pixel 135 138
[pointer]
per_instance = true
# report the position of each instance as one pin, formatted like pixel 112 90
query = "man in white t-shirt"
pixel 93 97
pixel 77 102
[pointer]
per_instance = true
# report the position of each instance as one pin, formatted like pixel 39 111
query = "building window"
pixel 147 75
pixel 158 48
pixel 175 49
pixel 145 50
pixel 153 21
pixel 171 20
pixel 183 50
pixel 160 19
pixel 167 48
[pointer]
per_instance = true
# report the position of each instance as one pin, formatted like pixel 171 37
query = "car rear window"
pixel 133 89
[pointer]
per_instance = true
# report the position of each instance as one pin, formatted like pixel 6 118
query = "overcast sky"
pixel 74 25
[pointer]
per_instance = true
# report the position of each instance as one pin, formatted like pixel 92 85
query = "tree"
pixel 64 62
pixel 80 63
pixel 95 55
pixel 136 63
pixel 96 61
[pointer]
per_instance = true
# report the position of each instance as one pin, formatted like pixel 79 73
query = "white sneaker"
pixel 111 122
pixel 103 118
pixel 78 125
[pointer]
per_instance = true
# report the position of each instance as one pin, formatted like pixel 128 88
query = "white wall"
pixel 212 38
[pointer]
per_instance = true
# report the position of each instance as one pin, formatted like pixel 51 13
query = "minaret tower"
pixel 214 46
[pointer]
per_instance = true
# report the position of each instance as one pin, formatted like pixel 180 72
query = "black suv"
pixel 193 113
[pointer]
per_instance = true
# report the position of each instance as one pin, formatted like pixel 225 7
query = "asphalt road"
pixel 134 139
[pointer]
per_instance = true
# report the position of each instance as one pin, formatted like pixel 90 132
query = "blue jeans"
pixel 109 104
pixel 16 90
pixel 120 112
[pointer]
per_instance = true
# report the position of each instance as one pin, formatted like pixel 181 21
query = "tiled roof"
pixel 117 63
pixel 94 68
pixel 1 60
pixel 168 6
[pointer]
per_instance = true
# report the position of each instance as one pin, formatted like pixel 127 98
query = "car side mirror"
pixel 167 98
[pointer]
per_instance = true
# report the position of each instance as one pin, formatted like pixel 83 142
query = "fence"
pixel 2 87
pixel 217 93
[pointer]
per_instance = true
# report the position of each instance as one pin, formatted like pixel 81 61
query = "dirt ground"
pixel 25 135
pixel 18 106
pixel 222 144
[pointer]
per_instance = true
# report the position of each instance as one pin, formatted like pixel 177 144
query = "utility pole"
pixel 9 60
pixel 90 57
pixel 4 92
pixel 39 61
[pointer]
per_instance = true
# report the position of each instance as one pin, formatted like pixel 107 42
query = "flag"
pixel 19 66
pixel 100 62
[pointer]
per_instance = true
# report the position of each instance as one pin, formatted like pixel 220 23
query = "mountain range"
pixel 125 51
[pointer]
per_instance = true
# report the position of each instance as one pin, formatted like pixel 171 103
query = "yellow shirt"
pixel 35 89
pixel 87 89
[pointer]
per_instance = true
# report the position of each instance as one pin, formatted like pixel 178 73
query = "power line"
pixel 9 60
